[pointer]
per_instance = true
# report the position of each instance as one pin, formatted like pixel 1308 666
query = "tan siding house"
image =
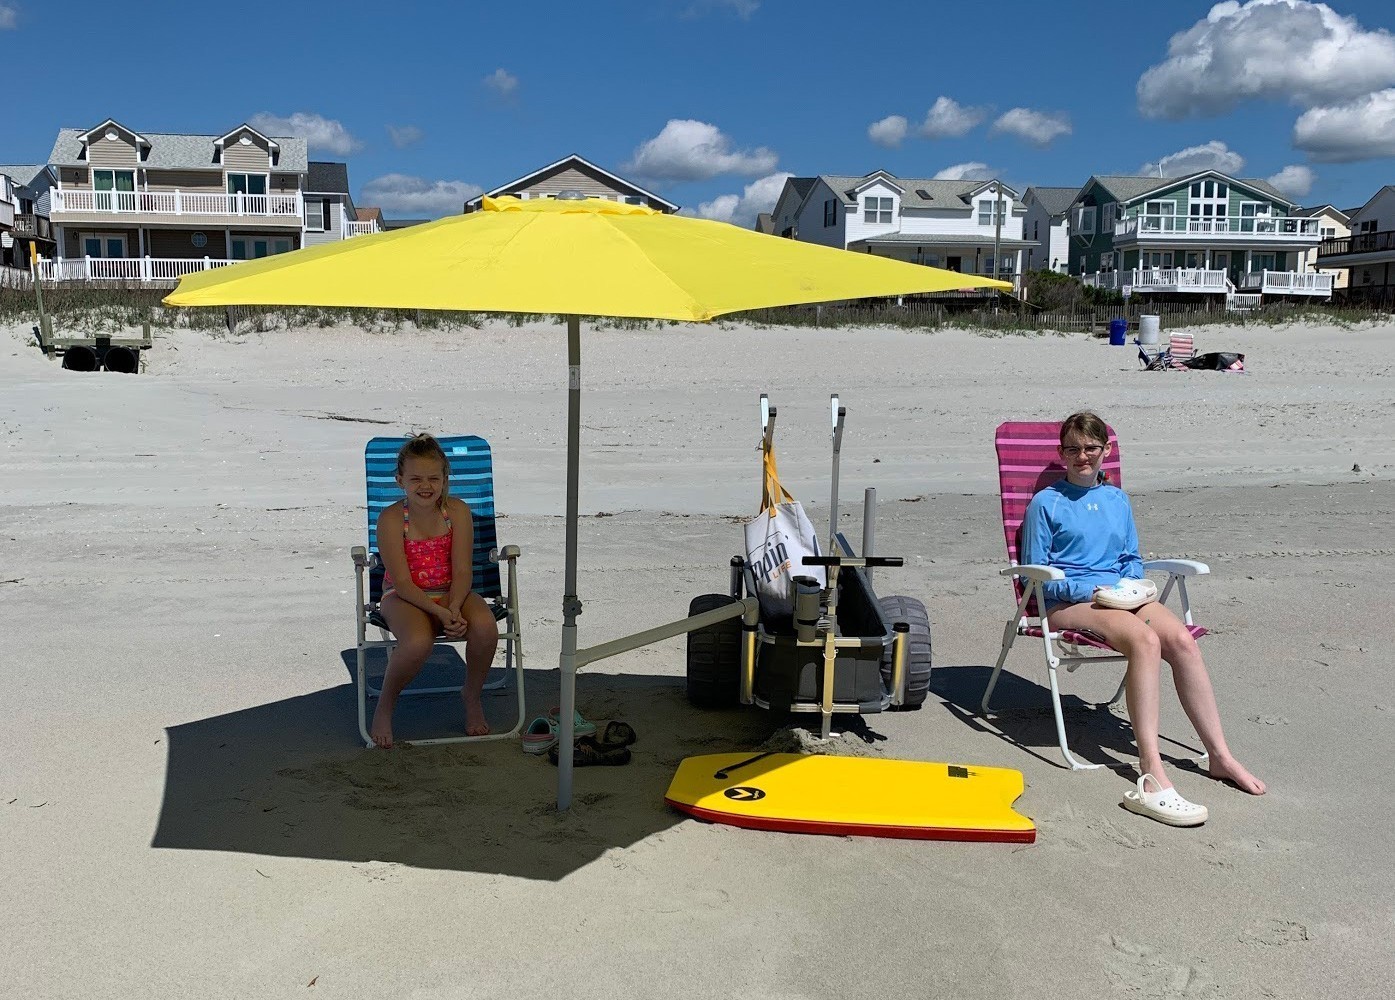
pixel 573 173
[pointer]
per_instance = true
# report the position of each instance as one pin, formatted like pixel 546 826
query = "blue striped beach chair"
pixel 471 480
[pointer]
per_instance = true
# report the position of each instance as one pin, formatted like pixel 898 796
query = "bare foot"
pixel 381 730
pixel 1233 772
pixel 475 722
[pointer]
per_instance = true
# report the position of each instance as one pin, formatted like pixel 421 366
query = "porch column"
pixel 140 241
pixel 227 244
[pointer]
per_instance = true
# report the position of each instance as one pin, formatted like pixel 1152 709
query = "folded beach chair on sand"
pixel 1028 462
pixel 1173 357
pixel 471 480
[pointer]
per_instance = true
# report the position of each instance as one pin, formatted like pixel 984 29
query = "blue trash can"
pixel 1118 331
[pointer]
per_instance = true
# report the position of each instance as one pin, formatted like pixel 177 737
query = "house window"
pixel 254 247
pixel 1107 217
pixel 988 211
pixel 634 199
pixel 114 190
pixel 315 215
pixel 830 212
pixel 246 183
pixel 1036 229
pixel 1085 220
pixel 876 210
pixel 1368 226
pixel 109 245
pixel 1328 232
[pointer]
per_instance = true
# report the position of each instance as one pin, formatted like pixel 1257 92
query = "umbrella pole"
pixel 571 605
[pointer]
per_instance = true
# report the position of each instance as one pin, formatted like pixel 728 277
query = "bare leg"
pixel 1196 695
pixel 414 630
pixel 480 645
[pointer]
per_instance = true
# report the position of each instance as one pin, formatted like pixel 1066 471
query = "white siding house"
pixel 949 224
pixel 1368 253
pixel 1047 225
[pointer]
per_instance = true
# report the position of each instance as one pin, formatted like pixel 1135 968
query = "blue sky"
pixel 711 102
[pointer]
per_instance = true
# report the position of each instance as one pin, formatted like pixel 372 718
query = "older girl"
pixel 1084 527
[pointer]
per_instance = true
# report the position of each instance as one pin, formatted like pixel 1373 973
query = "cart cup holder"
pixel 806 607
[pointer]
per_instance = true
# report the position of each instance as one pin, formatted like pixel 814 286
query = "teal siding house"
pixel 1204 234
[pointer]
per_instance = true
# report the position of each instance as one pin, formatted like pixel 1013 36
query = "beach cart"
pixel 843 650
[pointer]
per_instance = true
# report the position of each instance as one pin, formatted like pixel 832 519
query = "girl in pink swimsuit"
pixel 427 584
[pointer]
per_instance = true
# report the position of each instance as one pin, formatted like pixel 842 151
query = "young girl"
pixel 1084 527
pixel 426 544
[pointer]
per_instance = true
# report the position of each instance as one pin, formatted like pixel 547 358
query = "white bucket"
pixel 1148 329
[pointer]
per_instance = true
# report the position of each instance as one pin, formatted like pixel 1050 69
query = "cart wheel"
pixel 714 656
pixel 899 608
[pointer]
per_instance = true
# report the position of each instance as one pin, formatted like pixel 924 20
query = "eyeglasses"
pixel 1089 451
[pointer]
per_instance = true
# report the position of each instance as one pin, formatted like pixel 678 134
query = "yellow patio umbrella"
pixel 576 257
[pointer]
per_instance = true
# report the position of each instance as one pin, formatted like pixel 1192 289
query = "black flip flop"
pixel 617 734
pixel 586 752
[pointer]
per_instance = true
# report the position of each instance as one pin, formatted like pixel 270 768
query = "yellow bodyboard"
pixel 857 796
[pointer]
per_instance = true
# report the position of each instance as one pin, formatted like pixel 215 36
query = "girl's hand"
pixel 455 626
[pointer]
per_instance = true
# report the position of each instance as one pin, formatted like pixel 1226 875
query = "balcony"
pixel 170 204
pixel 1162 279
pixel 144 269
pixel 1360 243
pixel 1310 283
pixel 361 228
pixel 33 226
pixel 1261 228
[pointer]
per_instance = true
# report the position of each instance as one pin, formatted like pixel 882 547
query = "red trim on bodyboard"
pixel 857 829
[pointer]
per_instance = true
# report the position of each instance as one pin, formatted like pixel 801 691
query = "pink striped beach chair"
pixel 1174 357
pixel 1028 462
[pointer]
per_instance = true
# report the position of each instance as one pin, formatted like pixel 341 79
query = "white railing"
pixel 1288 282
pixel 1272 226
pixel 176 202
pixel 360 228
pixel 1240 302
pixel 126 268
pixel 1161 279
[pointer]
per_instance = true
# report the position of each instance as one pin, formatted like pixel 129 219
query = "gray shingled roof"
pixel 1128 188
pixel 1056 200
pixel 325 177
pixel 178 151
pixel 918 192
pixel 22 174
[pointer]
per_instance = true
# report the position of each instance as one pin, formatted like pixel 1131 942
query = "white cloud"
pixel 971 171
pixel 947 118
pixel 741 8
pixel 1040 128
pixel 321 133
pixel 9 16
pixel 759 196
pixel 888 132
pixel 415 197
pixel 503 83
pixel 1214 155
pixel 1294 180
pixel 1275 49
pixel 403 136
pixel 688 150
pixel 1363 129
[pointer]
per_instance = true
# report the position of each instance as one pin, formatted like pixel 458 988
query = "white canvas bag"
pixel 777 540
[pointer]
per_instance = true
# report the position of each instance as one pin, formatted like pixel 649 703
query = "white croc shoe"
pixel 1165 805
pixel 1126 594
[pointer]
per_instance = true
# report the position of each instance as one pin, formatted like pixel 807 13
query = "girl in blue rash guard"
pixel 1084 526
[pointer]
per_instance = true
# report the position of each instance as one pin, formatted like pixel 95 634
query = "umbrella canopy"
pixel 571 256
pixel 589 257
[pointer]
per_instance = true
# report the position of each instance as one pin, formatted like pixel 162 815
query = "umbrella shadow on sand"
pixel 292 779
pixel 1022 716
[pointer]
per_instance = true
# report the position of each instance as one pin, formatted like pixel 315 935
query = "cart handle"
pixel 867 561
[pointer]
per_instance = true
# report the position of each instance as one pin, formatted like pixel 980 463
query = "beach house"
pixel 1333 223
pixel 1047 225
pixel 1367 252
pixel 24 218
pixel 575 173
pixel 1199 235
pixel 149 206
pixel 968 226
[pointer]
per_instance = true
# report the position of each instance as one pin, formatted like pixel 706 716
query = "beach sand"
pixel 187 812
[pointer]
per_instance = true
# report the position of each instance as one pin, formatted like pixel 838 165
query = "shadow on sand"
pixel 1022 716
pixel 292 779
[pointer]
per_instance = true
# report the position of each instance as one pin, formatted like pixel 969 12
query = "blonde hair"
pixel 426 446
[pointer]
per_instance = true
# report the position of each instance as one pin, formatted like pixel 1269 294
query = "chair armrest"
pixel 360 555
pixel 1178 567
pixel 507 552
pixel 1040 574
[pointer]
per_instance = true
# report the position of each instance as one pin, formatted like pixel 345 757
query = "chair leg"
pixel 1075 765
pixel 1009 634
pixel 1123 682
pixel 361 695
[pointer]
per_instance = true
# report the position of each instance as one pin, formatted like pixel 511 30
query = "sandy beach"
pixel 187 810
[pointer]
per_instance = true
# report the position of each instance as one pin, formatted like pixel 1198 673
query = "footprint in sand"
pixel 1142 970
pixel 1269 720
pixel 1274 933
pixel 1124 836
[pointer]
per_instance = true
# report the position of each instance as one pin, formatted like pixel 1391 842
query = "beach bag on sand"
pixel 1218 361
pixel 777 540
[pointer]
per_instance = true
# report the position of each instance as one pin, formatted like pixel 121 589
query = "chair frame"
pixel 505 610
pixel 1063 647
